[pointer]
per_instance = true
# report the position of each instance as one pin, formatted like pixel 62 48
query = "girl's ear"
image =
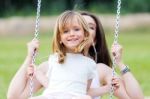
pixel 60 42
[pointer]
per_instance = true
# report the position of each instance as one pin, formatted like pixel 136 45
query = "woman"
pixel 127 90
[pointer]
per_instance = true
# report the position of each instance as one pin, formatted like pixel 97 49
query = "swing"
pixel 115 42
pixel 36 32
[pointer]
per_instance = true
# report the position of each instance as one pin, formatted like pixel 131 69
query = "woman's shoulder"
pixel 103 66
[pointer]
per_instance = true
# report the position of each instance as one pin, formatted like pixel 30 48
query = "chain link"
pixel 37 19
pixel 117 22
pixel 31 85
pixel 115 42
pixel 36 33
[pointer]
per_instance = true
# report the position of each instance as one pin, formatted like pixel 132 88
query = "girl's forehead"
pixel 72 22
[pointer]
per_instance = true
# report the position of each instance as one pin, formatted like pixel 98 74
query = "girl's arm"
pixel 96 92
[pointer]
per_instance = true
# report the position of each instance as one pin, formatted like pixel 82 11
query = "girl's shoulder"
pixel 81 57
pixel 88 59
pixel 53 56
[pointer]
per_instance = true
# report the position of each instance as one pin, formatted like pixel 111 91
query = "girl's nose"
pixel 72 33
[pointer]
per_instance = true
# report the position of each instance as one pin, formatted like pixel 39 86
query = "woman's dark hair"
pixel 103 55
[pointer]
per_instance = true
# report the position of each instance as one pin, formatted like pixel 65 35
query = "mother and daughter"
pixel 78 68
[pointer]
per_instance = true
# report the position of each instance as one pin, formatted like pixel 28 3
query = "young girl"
pixel 70 72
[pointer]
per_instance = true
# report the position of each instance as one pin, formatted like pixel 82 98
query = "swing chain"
pixel 31 86
pixel 117 22
pixel 35 37
pixel 37 20
pixel 115 42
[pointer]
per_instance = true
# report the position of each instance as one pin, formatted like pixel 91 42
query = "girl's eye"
pixel 66 31
pixel 76 29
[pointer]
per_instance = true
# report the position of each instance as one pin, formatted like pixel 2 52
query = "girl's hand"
pixel 32 47
pixel 117 53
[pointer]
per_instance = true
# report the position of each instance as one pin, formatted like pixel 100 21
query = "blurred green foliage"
pixel 50 7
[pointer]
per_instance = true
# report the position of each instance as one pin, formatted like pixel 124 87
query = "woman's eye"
pixel 92 28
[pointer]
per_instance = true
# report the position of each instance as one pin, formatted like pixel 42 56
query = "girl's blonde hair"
pixel 61 23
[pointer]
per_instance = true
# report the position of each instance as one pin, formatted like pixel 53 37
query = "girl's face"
pixel 73 35
pixel 92 26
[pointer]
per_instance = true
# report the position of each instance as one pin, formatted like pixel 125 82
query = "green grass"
pixel 136 54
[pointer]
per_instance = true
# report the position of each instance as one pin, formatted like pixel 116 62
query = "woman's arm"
pixel 100 91
pixel 19 86
pixel 130 83
pixel 20 83
pixel 105 76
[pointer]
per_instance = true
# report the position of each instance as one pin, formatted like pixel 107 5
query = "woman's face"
pixel 92 25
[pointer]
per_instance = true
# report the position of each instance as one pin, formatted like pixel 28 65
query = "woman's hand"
pixel 33 47
pixel 117 53
pixel 31 70
pixel 115 83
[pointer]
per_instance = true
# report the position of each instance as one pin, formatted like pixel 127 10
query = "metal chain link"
pixel 37 19
pixel 31 86
pixel 36 33
pixel 117 22
pixel 115 42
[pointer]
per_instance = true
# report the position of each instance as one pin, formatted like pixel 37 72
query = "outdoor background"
pixel 17 23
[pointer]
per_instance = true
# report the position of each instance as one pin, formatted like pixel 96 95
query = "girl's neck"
pixel 73 52
pixel 86 52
